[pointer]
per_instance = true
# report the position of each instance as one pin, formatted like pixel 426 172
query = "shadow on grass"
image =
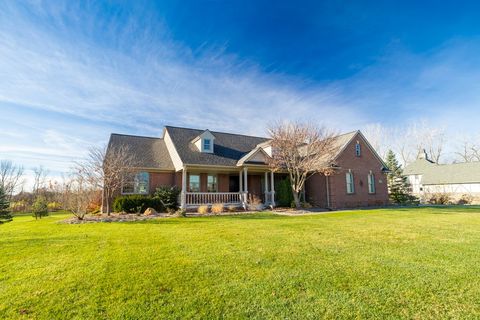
pixel 438 209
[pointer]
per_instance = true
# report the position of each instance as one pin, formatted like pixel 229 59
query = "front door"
pixel 234 184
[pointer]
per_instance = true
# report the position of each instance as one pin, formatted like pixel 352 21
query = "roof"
pixel 228 148
pixel 148 152
pixel 434 174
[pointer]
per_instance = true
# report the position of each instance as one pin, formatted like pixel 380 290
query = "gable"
pixel 367 153
pixel 256 156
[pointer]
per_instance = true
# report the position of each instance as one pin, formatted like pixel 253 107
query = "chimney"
pixel 423 155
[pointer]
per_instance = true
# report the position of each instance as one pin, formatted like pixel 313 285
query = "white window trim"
pixel 134 193
pixel 350 180
pixel 371 183
pixel 199 182
pixel 216 182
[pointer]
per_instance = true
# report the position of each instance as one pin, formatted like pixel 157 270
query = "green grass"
pixel 404 263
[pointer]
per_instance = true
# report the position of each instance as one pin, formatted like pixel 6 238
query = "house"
pixel 458 180
pixel 217 167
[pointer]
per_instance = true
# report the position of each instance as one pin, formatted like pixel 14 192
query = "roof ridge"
pixel 134 135
pixel 221 132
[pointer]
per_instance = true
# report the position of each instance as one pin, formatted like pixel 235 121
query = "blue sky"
pixel 72 73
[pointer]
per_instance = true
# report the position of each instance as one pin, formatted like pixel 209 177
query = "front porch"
pixel 247 186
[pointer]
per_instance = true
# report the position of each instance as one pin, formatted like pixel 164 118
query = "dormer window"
pixel 207 144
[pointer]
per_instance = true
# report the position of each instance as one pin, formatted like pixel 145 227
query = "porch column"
pixel 183 204
pixel 272 188
pixel 245 184
pixel 266 187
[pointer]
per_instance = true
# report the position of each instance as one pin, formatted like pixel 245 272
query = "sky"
pixel 73 72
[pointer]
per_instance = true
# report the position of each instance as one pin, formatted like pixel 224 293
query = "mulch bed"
pixel 115 217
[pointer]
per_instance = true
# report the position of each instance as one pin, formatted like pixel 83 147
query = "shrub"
pixel 218 208
pixel 465 199
pixel 283 191
pixel 40 207
pixel 137 204
pixel 168 196
pixel 54 206
pixel 181 213
pixel 439 198
pixel 202 209
pixel 231 208
pixel 306 205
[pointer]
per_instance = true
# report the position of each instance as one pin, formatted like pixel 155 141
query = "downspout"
pixel 328 192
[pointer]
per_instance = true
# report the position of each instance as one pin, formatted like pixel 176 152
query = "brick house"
pixel 217 167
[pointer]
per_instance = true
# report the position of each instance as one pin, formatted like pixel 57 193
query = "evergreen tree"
pixel 398 186
pixel 5 214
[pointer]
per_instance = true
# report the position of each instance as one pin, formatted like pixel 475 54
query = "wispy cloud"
pixel 70 75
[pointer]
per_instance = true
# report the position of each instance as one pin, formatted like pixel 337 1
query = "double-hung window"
pixel 371 183
pixel 137 183
pixel 207 144
pixel 212 183
pixel 194 183
pixel 350 184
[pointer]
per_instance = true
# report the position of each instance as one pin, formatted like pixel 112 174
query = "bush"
pixel 306 205
pixel 465 199
pixel 283 191
pixel 40 207
pixel 232 208
pixel 168 196
pixel 181 213
pixel 439 198
pixel 54 206
pixel 202 209
pixel 137 204
pixel 217 208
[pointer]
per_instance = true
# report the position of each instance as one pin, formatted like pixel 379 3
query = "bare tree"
pixel 468 151
pixel 380 138
pixel 39 179
pixel 11 177
pixel 302 150
pixel 107 169
pixel 79 191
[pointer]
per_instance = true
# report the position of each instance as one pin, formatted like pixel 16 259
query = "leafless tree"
pixel 468 151
pixel 380 138
pixel 302 150
pixel 107 168
pixel 11 177
pixel 79 191
pixel 39 179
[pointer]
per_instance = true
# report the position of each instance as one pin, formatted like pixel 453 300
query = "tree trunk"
pixel 296 198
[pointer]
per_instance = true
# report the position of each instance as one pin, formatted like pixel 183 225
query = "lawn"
pixel 391 263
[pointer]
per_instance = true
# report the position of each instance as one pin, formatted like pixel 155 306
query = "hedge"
pixel 137 204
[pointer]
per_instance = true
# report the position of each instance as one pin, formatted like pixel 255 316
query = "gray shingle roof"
pixel 228 147
pixel 149 152
pixel 433 174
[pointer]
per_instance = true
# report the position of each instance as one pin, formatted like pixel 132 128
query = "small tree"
pixel 398 186
pixel 107 169
pixel 81 193
pixel 168 196
pixel 302 150
pixel 5 214
pixel 40 207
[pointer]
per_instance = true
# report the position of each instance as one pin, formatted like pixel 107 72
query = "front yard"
pixel 392 263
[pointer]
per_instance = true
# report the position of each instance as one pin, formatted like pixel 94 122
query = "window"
pixel 371 183
pixel 212 183
pixel 358 149
pixel 194 183
pixel 136 183
pixel 350 185
pixel 206 144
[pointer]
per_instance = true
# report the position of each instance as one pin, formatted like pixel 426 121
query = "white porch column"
pixel 183 204
pixel 272 188
pixel 245 184
pixel 266 187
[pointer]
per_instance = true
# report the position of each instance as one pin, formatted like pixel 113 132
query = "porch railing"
pixel 209 198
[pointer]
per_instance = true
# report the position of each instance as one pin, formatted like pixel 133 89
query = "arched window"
pixel 350 184
pixel 371 182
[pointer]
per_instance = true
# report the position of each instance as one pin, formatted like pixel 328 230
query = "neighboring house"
pixel 459 179
pixel 216 167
